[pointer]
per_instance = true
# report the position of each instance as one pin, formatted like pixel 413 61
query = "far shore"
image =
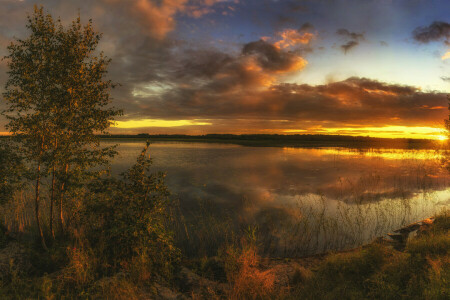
pixel 301 141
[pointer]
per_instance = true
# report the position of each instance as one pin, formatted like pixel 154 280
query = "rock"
pixel 428 221
pixel 397 237
pixel 408 229
pixel 401 236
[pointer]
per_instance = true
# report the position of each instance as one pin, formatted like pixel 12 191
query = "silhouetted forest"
pixel 295 140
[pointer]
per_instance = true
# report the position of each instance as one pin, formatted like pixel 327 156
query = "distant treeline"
pixel 295 140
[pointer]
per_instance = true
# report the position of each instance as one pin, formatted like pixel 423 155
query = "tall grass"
pixel 308 225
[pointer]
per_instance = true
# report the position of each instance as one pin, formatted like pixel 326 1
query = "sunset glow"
pixel 143 123
pixel 386 132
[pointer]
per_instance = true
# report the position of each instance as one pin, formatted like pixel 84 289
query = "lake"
pixel 302 200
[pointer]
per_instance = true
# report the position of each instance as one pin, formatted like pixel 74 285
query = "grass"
pixel 377 271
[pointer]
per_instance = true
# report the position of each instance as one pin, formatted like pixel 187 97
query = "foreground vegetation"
pixel 119 264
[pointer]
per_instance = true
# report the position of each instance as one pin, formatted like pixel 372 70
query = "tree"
pixel 57 101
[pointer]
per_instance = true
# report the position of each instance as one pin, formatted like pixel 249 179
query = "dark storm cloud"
pixel 269 57
pixel 436 31
pixel 235 90
pixel 203 63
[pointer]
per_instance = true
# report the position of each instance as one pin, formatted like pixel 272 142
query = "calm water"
pixel 320 198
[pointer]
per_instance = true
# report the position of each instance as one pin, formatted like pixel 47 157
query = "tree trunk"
pixel 61 199
pixel 36 205
pixel 52 196
pixel 52 200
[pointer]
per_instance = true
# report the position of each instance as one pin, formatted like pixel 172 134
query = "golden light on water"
pixel 388 154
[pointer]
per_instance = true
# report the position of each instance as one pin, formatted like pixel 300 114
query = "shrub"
pixel 124 221
pixel 242 268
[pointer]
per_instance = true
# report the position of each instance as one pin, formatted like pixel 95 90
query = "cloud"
pixel 185 79
pixel 237 98
pixel 351 35
pixel 436 31
pixel 272 59
pixel 306 27
pixel 352 38
pixel 349 45
pixel 158 17
pixel 292 37
pixel 297 7
pixel 445 78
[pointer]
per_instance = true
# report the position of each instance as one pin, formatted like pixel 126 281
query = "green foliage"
pixel 56 87
pixel 125 220
pixel 431 245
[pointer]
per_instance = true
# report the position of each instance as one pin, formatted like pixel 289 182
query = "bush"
pixel 124 222
pixel 241 264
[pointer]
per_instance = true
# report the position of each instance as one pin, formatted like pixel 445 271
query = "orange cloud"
pixel 446 55
pixel 198 8
pixel 158 17
pixel 292 37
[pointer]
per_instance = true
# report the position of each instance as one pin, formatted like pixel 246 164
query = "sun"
pixel 442 137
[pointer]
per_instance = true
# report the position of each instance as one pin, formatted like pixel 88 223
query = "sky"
pixel 376 68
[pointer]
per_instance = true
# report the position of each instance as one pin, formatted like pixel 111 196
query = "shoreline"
pixel 357 144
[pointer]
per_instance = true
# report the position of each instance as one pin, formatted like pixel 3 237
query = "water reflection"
pixel 342 196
